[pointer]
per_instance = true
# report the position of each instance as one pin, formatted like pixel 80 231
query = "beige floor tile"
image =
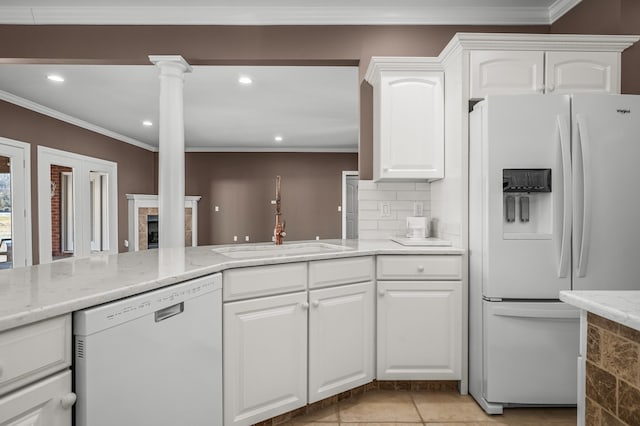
pixel 311 424
pixel 435 407
pixel 466 424
pixel 380 407
pixel 382 424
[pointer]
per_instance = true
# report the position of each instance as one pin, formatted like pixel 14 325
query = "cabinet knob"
pixel 305 305
pixel 316 303
pixel 420 268
pixel 68 400
pixel 381 292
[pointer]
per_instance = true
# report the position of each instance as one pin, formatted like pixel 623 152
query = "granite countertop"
pixel 44 291
pixel 620 306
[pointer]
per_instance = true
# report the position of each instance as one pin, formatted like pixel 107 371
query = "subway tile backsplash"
pixel 375 221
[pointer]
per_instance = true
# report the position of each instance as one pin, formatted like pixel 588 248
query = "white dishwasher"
pixel 152 359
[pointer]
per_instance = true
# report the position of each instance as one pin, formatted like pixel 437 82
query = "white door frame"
pixel 21 221
pixel 82 166
pixel 344 199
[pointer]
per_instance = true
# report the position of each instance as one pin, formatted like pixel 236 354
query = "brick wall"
pixel 613 373
pixel 56 200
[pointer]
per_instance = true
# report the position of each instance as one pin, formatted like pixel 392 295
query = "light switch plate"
pixel 385 209
pixel 418 209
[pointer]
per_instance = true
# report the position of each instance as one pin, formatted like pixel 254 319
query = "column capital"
pixel 174 62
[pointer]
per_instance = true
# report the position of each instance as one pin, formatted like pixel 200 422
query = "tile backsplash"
pixel 384 207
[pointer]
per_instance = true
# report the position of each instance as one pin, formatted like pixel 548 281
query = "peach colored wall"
pixel 243 185
pixel 608 17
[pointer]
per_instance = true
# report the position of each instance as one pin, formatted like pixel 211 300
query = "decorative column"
pixel 171 152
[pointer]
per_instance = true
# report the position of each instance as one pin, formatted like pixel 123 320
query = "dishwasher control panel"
pixel 143 304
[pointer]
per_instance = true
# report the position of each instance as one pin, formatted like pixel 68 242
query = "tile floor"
pixel 429 408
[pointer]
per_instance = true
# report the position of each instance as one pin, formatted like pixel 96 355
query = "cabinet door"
pixel 265 357
pixel 506 72
pixel 582 72
pixel 341 346
pixel 419 334
pixel 47 402
pixel 409 126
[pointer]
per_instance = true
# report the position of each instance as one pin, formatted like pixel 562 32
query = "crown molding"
pixel 556 42
pixel 33 106
pixel 560 7
pixel 270 149
pixel 379 64
pixel 400 12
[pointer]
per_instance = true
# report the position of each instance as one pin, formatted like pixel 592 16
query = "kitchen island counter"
pixel 609 360
pixel 619 306
pixel 39 292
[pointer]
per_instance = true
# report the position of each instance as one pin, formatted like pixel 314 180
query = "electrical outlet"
pixel 126 243
pixel 339 209
pixel 216 209
pixel 317 237
pixel 235 238
pixel 246 238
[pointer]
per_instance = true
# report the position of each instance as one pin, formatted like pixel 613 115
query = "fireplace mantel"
pixel 143 205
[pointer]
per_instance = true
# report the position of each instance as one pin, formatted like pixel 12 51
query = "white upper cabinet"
pixel 408 118
pixel 561 72
pixel 499 72
pixel 582 72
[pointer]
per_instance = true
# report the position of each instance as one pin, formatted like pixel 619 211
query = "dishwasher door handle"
pixel 169 311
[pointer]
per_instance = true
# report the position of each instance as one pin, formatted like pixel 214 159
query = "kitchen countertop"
pixel 44 291
pixel 619 306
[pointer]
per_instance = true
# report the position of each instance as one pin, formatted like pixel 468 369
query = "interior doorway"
pixel 15 206
pixel 350 181
pixel 77 202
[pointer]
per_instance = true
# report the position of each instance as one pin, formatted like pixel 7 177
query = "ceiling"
pixel 284 12
pixel 311 108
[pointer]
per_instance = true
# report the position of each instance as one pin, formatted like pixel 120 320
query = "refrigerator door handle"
pixel 537 313
pixel 563 133
pixel 584 146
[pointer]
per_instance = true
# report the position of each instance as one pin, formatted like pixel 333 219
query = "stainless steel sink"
pixel 272 250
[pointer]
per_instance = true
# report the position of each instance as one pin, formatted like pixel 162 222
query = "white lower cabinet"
pixel 419 330
pixel 341 339
pixel 47 402
pixel 265 357
pixel 35 380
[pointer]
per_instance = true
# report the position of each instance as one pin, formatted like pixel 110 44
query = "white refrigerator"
pixel 552 207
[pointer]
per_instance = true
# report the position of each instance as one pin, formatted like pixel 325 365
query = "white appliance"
pixel 551 207
pixel 152 359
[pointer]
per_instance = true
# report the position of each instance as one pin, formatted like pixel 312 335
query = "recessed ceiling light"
pixel 245 80
pixel 56 78
pixel 147 123
pixel 278 138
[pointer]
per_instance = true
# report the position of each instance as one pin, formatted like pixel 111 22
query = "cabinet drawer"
pixel 325 273
pixel 33 351
pixel 39 404
pixel 420 267
pixel 244 283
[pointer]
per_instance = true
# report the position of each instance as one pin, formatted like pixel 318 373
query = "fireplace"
pixel 143 221
pixel 152 231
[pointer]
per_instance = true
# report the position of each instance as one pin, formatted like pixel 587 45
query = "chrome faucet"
pixel 278 231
